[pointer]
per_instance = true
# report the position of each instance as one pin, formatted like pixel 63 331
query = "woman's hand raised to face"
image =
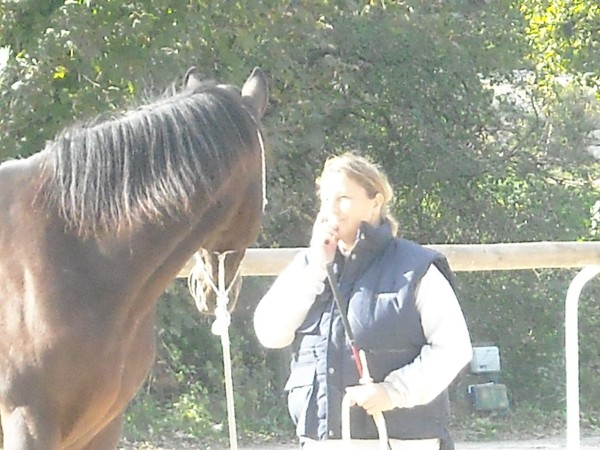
pixel 323 242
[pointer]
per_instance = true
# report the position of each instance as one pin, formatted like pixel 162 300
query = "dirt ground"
pixel 538 444
pixel 554 443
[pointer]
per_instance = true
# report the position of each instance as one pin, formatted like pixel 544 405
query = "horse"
pixel 93 228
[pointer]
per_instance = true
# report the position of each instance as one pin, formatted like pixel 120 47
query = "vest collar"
pixel 370 242
pixel 377 237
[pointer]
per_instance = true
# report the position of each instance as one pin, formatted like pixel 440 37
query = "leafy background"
pixel 479 112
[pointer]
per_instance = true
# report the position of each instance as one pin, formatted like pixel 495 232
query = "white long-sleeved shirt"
pixel 448 349
pixel 283 308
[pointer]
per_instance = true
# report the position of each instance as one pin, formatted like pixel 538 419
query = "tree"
pixel 564 37
pixel 457 100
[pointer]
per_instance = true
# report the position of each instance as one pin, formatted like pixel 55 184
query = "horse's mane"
pixel 146 164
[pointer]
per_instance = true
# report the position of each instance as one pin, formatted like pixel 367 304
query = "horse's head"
pixel 236 214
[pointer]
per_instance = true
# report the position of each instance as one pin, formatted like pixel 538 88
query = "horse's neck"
pixel 160 250
pixel 21 172
pixel 19 185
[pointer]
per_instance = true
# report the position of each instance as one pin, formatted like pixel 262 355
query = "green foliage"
pixel 459 101
pixel 564 37
pixel 525 422
pixel 524 315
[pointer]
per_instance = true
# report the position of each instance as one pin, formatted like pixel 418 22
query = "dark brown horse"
pixel 92 230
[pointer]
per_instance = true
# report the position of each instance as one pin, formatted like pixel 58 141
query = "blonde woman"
pixel 401 307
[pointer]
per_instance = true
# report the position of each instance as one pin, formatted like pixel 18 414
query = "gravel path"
pixel 554 443
pixel 587 443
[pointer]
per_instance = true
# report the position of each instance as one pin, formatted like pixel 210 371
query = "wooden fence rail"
pixel 462 257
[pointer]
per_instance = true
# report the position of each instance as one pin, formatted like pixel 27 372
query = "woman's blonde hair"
pixel 367 175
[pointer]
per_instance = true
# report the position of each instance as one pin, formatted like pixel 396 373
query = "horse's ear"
pixel 256 91
pixel 191 78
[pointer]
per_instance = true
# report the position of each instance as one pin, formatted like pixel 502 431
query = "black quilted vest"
pixel 378 282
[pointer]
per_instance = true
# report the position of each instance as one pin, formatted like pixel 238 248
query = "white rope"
pixel 220 326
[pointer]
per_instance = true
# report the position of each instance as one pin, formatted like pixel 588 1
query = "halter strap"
pixel 263 158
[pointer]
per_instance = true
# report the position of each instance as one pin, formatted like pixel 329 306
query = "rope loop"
pixel 199 274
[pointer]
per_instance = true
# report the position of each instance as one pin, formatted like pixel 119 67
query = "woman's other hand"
pixel 373 397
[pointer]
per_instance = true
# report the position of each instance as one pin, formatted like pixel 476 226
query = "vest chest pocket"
pixel 388 321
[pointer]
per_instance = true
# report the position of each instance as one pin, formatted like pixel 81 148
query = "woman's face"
pixel 345 204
